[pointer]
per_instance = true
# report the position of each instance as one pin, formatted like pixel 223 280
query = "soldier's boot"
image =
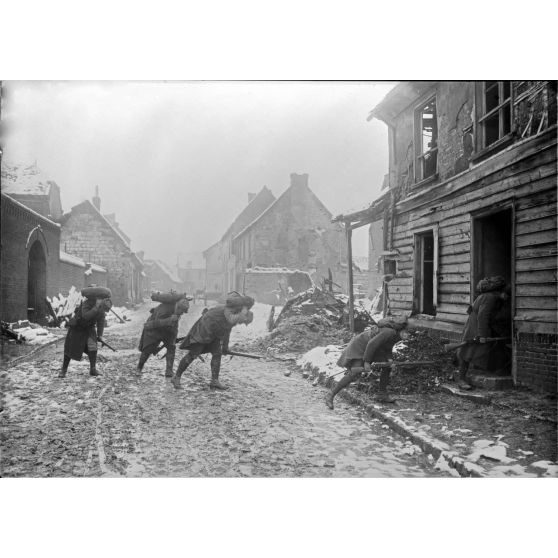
pixel 215 369
pixel 92 364
pixel 341 384
pixel 182 365
pixel 383 395
pixel 462 382
pixel 142 360
pixel 170 361
pixel 64 369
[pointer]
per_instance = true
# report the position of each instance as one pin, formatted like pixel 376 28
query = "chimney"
pixel 299 180
pixel 251 196
pixel 97 199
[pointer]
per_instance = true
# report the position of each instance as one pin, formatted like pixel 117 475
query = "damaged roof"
pixel 26 180
pixel 399 98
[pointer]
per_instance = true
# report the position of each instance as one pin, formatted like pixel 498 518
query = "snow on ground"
pixel 36 335
pixel 550 468
pixel 258 328
pixel 322 360
pixel 491 450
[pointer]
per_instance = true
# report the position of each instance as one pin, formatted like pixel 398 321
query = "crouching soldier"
pixel 372 345
pixel 210 334
pixel 162 326
pixel 86 327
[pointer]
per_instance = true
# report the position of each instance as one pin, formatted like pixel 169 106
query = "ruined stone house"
pixel 97 238
pixel 295 232
pixel 162 277
pixel 220 260
pixel 472 193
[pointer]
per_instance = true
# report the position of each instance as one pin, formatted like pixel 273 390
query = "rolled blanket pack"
pixel 167 298
pixel 96 292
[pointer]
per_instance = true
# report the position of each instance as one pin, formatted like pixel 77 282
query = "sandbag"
pixel 96 292
pixel 167 298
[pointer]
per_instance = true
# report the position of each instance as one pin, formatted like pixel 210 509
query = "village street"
pixel 266 425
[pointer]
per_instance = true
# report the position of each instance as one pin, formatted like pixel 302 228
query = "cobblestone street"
pixel 122 424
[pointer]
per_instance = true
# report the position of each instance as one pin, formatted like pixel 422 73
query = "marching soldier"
pixel 210 334
pixel 372 345
pixel 85 328
pixel 162 326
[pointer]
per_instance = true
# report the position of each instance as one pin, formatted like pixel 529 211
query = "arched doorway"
pixel 36 284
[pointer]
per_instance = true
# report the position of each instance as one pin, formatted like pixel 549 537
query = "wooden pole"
pixel 349 234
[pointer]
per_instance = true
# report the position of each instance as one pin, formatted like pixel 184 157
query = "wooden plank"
pixel 463 203
pixel 397 305
pixel 536 277
pixel 455 258
pixel 419 219
pixel 452 318
pixel 405 265
pixel 400 289
pixel 536 225
pixel 548 263
pixel 545 289
pixel 401 297
pixel 544 237
pixel 547 210
pixel 453 298
pixel 464 267
pixel 524 253
pixel 454 288
pixel 536 315
pixel 535 302
pixel 454 239
pixel 463 229
pixel 458 248
pixel 538 152
pixel 536 200
pixel 536 327
pixel 453 308
pixel 454 277
pixel 400 281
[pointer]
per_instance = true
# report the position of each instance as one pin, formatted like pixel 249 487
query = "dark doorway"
pixel 424 274
pixel 36 284
pixel 493 255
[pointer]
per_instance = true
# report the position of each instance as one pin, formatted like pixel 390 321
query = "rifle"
pixel 122 321
pixel 246 355
pixel 453 346
pixel 388 364
pixel 177 340
pixel 105 344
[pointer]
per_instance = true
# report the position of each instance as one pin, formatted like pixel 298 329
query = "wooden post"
pixel 349 233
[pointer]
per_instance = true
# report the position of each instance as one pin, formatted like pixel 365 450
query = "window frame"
pixel 418 297
pixel 481 116
pixel 419 156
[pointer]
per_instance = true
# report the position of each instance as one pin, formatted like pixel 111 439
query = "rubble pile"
pixel 313 318
pixel 420 379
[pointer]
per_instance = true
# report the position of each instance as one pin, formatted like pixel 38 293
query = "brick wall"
pixel 87 236
pixel 70 275
pixel 17 239
pixel 537 361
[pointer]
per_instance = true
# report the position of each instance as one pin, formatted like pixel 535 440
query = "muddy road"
pixel 124 424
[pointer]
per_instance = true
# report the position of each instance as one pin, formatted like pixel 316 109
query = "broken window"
pixel 494 112
pixel 426 140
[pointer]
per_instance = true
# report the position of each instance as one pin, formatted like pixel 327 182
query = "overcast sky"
pixel 175 160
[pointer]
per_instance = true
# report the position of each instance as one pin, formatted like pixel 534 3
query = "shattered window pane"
pixel 427 153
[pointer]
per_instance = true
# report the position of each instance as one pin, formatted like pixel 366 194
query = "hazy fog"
pixel 175 160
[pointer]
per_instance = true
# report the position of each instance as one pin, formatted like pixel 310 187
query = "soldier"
pixel 485 320
pixel 162 326
pixel 210 334
pixel 372 345
pixel 85 328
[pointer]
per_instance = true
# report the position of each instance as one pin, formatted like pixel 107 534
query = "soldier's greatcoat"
pixel 154 331
pixel 87 324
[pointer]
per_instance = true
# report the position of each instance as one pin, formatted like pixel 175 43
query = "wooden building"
pixel 472 193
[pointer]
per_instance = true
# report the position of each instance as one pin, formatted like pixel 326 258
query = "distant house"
pixel 472 193
pixel 161 277
pixel 30 186
pixel 97 239
pixel 220 259
pixel 294 232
